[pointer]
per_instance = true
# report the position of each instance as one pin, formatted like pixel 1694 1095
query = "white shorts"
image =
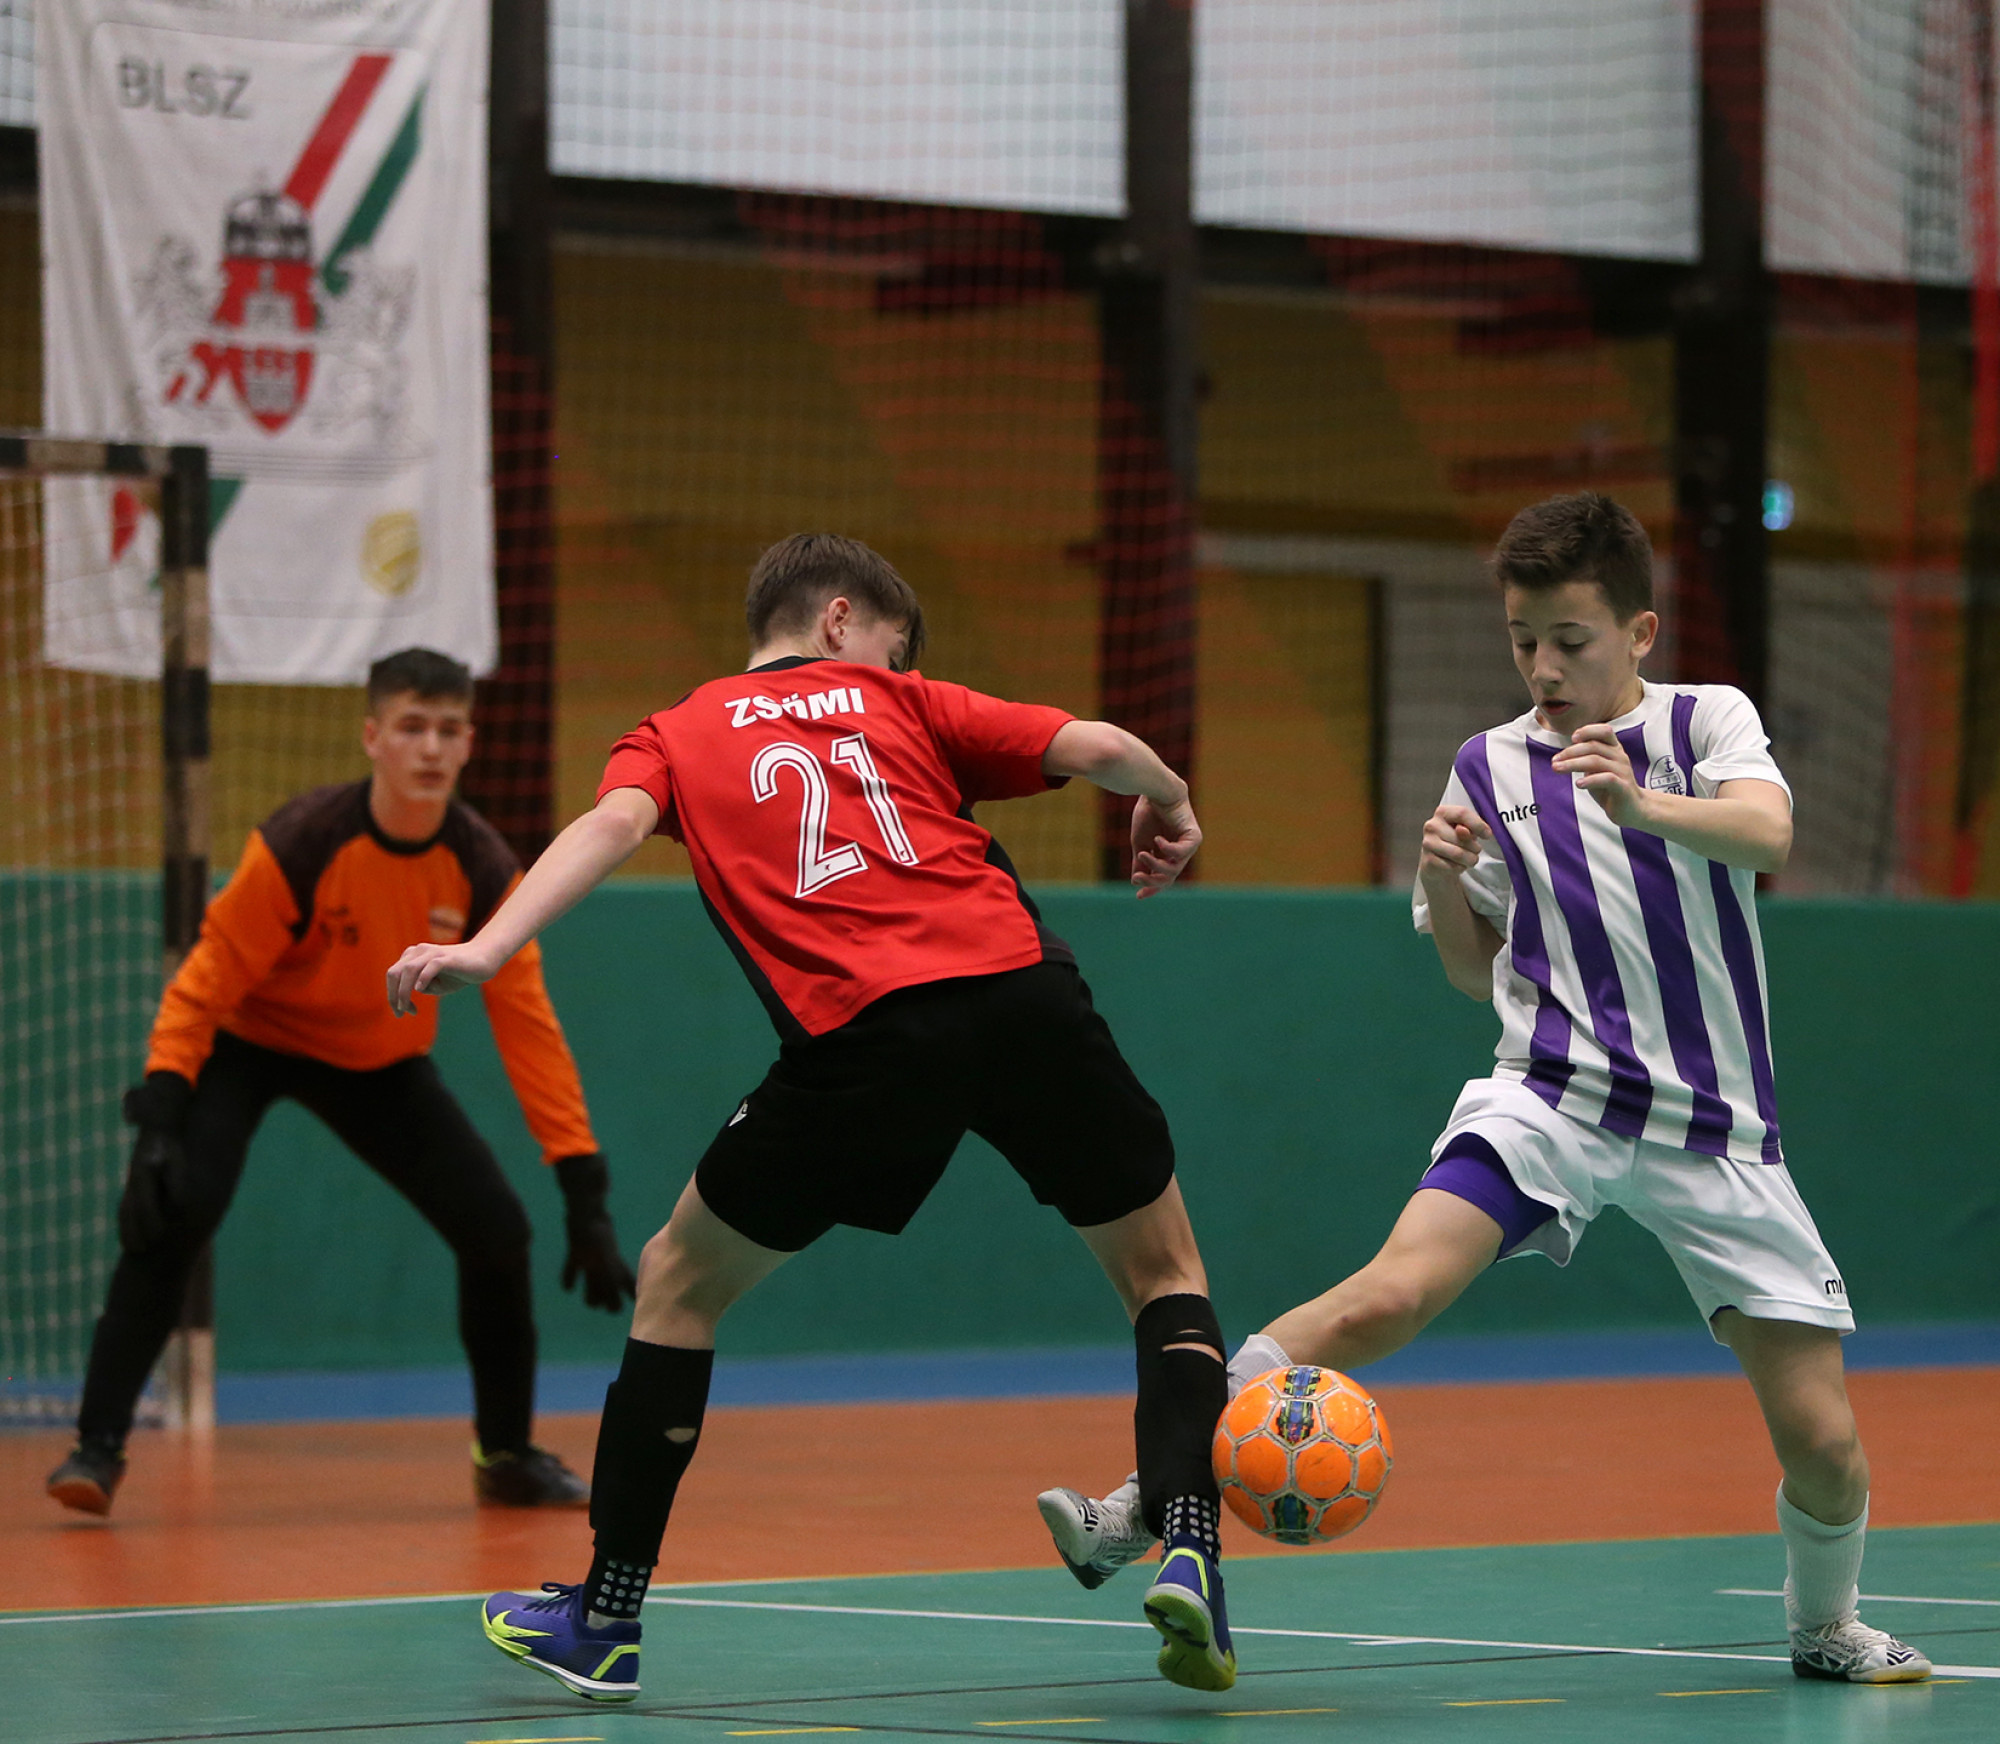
pixel 1738 1233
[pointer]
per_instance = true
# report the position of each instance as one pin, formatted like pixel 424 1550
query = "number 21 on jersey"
pixel 818 868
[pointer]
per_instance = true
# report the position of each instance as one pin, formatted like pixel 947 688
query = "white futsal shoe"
pixel 1096 1538
pixel 1851 1652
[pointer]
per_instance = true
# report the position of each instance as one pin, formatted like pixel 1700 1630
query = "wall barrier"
pixel 1305 1046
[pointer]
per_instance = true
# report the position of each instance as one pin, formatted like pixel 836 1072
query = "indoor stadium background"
pixel 856 266
pixel 726 363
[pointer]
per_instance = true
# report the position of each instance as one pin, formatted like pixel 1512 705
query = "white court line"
pixel 311 1605
pixel 240 1610
pixel 1353 1639
pixel 1981 1671
pixel 1866 1598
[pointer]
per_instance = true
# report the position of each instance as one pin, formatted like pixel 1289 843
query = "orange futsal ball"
pixel 1302 1455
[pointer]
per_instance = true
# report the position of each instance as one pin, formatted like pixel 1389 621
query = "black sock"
pixel 614 1591
pixel 650 1429
pixel 496 1324
pixel 1195 1517
pixel 1181 1394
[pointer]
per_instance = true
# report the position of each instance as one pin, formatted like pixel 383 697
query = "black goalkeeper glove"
pixel 593 1252
pixel 156 1180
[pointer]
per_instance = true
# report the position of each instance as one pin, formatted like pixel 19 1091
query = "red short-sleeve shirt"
pixel 827 809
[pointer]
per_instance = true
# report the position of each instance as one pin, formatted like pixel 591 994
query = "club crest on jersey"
pixel 843 700
pixel 1665 776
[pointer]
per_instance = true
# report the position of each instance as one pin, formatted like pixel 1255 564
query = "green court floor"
pixel 1674 1639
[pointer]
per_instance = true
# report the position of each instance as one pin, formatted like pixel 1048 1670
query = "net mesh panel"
pixel 79 913
pixel 931 376
pixel 835 264
pixel 1564 124
pixel 79 885
pixel 808 340
pixel 510 778
pixel 79 968
pixel 1874 138
pixel 1377 420
pixel 1869 427
pixel 80 934
pixel 17 63
pixel 1008 104
pixel 917 377
pixel 1380 391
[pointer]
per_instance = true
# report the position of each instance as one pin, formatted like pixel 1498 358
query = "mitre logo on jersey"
pixel 275 326
pixel 1665 776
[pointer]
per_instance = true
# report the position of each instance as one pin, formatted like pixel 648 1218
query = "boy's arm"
pixel 543 1073
pixel 537 1057
pixel 1748 822
pixel 1001 750
pixel 578 860
pixel 244 932
pixel 1467 942
pixel 1164 832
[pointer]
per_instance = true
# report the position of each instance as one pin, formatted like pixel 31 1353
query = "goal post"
pixel 78 991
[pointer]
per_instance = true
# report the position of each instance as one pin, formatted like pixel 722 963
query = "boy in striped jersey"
pixel 1592 871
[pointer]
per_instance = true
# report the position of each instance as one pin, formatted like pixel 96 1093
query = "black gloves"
pixel 593 1252
pixel 156 1180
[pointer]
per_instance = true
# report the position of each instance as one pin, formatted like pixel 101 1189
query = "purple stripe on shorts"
pixel 1741 956
pixel 1549 1067
pixel 1471 1168
pixel 1683 730
pixel 1569 874
pixel 1673 961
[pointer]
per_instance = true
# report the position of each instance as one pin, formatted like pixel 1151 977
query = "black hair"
pixel 430 675
pixel 795 578
pixel 1582 537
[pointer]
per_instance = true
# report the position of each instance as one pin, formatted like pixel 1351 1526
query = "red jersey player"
pixel 825 797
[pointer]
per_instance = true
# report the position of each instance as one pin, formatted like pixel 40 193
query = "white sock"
pixel 1257 1354
pixel 1823 1566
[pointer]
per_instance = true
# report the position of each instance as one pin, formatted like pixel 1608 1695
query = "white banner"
pixel 1569 124
pixel 264 229
pixel 1868 134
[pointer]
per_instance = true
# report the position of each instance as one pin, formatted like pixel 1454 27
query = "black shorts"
pixel 856 1126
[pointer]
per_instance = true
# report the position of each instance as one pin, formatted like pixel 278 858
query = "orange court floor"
pixel 338 1510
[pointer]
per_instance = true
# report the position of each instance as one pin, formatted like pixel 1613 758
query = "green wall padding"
pixel 79 982
pixel 1305 1046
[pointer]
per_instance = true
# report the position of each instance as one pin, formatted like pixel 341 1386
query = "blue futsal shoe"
pixel 1185 1604
pixel 546 1630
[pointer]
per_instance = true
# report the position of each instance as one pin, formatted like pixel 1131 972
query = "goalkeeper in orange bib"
pixel 281 998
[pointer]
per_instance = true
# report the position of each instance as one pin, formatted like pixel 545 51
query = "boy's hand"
pixel 156 1185
pixel 593 1256
pixel 1452 835
pixel 1164 839
pixel 436 969
pixel 1600 767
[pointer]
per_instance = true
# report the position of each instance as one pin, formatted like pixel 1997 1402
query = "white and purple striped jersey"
pixel 1631 990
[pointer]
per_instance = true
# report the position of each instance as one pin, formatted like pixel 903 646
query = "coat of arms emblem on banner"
pixel 270 332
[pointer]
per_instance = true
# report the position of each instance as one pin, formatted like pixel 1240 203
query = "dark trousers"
pixel 406 1126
